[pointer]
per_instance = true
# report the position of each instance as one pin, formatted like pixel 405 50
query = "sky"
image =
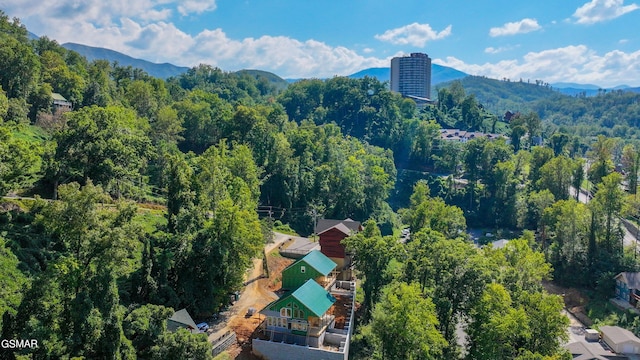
pixel 579 41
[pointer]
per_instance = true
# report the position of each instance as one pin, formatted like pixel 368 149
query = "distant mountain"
pixel 276 80
pixel 589 89
pixel 439 74
pixel 156 70
pixel 563 85
pixel 32 36
pixel 382 74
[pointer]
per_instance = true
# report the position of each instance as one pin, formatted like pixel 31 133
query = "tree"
pixel 372 255
pixel 18 64
pixel 539 157
pixel 216 224
pixel 426 212
pixel 520 268
pixel 533 124
pixel 566 225
pixel 12 280
pixel 424 137
pixel 601 156
pixel 203 116
pixel 558 142
pixel 107 145
pixel 403 325
pixel 631 163
pixel 145 326
pixel 181 345
pixel 19 161
pixel 73 306
pixel 578 176
pixel 452 272
pixel 607 204
pixel 556 176
pixel 534 209
pixel 496 329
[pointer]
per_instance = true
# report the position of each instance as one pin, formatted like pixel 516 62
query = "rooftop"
pixel 326 224
pixel 632 279
pixel 314 297
pixel 318 261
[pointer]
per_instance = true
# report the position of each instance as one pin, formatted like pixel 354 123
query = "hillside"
pixel 499 96
pixel 611 112
pixel 439 74
pixel 274 79
pixel 163 71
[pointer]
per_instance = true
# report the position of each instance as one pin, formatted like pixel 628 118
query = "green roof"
pixel 314 297
pixel 57 96
pixel 320 262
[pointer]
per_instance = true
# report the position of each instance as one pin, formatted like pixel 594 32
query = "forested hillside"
pixel 150 195
pixel 614 113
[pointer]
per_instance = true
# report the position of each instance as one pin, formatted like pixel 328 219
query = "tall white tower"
pixel 411 75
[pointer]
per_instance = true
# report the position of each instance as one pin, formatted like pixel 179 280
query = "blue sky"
pixel 582 41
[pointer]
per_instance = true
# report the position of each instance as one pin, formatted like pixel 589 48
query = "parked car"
pixel 203 326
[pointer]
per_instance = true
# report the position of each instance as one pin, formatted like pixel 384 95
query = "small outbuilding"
pixel 60 104
pixel 620 340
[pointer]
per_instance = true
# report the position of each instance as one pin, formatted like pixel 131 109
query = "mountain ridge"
pixel 440 74
pixel 164 70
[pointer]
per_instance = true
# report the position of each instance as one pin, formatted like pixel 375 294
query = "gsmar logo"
pixel 19 343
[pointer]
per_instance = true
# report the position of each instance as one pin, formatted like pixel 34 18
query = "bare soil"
pixel 574 301
pixel 258 293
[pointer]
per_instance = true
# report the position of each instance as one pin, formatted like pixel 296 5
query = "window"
pixel 300 326
pixel 303 269
pixel 285 312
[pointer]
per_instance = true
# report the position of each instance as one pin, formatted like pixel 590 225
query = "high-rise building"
pixel 411 76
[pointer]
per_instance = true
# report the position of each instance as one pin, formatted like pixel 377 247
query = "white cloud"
pixel 602 10
pixel 413 34
pixel 492 50
pixel 512 28
pixel 568 64
pixel 142 29
pixel 196 6
pixel 285 56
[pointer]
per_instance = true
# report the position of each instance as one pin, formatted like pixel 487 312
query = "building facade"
pixel 311 320
pixel 411 76
pixel 331 233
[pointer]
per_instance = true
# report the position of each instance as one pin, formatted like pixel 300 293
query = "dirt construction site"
pixel 260 290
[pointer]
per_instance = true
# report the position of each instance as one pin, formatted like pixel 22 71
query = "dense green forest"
pixel 154 195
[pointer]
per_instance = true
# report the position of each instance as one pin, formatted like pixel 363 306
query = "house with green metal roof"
pixel 302 312
pixel 60 103
pixel 314 265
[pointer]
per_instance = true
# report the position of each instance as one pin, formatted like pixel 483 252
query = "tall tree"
pixel 403 325
pixel 631 163
pixel 607 204
pixel 107 145
pixel 601 156
pixel 19 161
pixel 453 272
pixel 372 254
pixel 82 316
